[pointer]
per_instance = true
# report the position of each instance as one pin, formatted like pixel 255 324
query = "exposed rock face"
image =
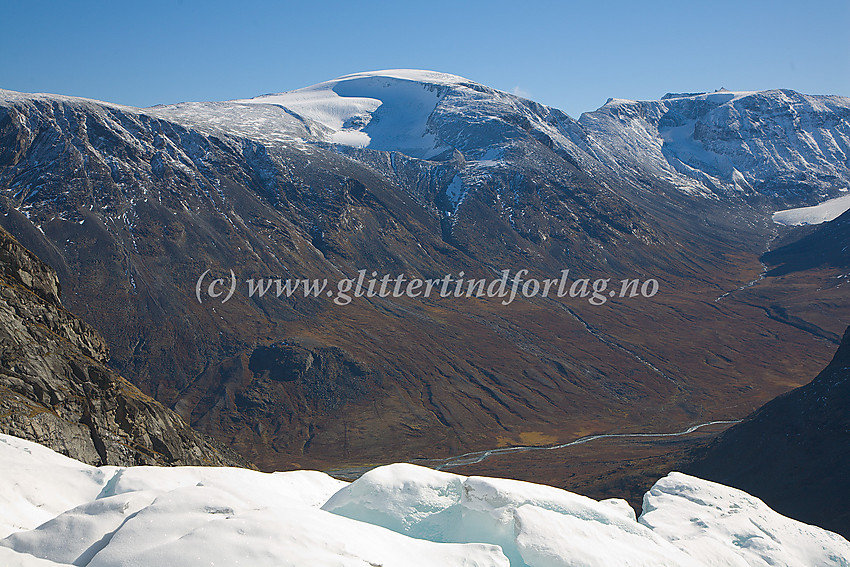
pixel 794 453
pixel 329 374
pixel 56 390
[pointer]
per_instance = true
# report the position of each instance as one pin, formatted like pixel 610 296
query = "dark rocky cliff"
pixel 56 390
pixel 794 452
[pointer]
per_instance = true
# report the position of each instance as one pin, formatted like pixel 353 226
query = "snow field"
pixel 58 512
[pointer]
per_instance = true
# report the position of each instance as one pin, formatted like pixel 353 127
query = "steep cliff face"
pixel 56 390
pixel 794 453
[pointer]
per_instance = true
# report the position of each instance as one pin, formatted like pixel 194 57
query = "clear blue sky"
pixel 572 55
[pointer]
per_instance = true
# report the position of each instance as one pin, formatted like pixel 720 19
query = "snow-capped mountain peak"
pixel 383 110
pixel 788 146
pixel 423 114
pixel 778 143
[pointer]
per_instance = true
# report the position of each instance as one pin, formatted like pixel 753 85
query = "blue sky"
pixel 572 55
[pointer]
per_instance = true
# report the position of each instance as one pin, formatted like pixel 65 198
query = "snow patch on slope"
pixel 454 191
pixel 818 214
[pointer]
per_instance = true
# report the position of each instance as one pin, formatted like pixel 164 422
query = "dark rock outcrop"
pixel 825 245
pixel 794 452
pixel 56 390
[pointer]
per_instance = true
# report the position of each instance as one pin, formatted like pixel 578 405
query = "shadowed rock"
pixel 56 390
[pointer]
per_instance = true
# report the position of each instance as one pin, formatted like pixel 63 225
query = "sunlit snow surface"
pixel 56 511
pixel 386 110
pixel 821 213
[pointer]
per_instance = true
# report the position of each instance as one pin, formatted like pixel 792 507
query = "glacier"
pixel 381 110
pixel 827 211
pixel 55 511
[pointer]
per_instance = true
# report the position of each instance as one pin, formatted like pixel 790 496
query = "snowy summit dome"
pixel 382 110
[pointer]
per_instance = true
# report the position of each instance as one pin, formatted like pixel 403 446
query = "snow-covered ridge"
pixel 718 96
pixel 792 147
pixel 778 143
pixel 58 512
pixel 417 75
pixel 7 96
pixel 722 96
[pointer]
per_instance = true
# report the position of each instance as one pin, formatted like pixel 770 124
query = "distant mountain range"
pixel 429 174
pixel 779 144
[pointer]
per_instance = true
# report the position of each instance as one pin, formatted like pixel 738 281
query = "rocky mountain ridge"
pixel 783 145
pixel 57 390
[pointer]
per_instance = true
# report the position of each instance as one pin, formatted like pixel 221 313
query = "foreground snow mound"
pixel 58 512
pixel 9 558
pixel 38 484
pixel 535 525
pixel 294 488
pixel 201 526
pixel 191 516
pixel 726 526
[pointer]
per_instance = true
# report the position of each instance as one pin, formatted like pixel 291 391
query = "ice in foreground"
pixel 56 511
